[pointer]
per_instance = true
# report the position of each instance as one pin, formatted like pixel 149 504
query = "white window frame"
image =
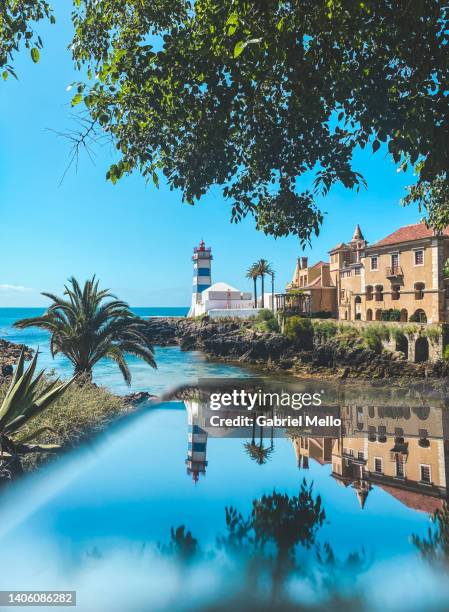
pixel 426 465
pixel 414 258
pixel 394 253
pixel 376 269
pixel 403 469
pixel 381 465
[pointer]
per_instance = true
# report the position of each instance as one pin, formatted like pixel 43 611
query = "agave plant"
pixel 90 324
pixel 25 399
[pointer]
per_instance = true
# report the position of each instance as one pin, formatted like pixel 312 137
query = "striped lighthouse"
pixel 202 279
pixel 197 442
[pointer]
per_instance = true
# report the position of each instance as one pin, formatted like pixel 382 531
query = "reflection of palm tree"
pixel 258 452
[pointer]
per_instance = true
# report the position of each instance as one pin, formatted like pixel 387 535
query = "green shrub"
pixel 391 314
pixel 410 330
pixel 322 314
pixel 300 330
pixel 446 352
pixel 265 315
pixel 373 335
pixel 433 333
pixel 325 329
pixel 270 325
pixel 418 317
pixel 397 333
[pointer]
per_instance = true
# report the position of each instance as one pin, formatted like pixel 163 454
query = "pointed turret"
pixel 362 488
pixel 357 233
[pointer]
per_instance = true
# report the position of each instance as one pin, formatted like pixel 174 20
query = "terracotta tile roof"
pixel 416 231
pixel 320 263
pixel 416 501
pixel 340 245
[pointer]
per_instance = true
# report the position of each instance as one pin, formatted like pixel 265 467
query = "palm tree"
pixel 86 328
pixel 253 274
pixel 263 268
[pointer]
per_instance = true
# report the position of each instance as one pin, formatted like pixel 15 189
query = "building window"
pixel 369 292
pixel 361 455
pixel 374 262
pixel 426 474
pixel 419 291
pixel 379 295
pixel 356 271
pixel 378 467
pixel 419 257
pixel 395 292
pixel 342 294
pixel 400 471
pixel 394 260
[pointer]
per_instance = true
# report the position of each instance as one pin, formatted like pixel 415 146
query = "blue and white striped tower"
pixel 197 442
pixel 202 275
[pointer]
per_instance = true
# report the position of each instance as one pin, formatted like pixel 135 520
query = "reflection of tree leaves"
pixel 436 546
pixel 263 544
pixel 336 570
pixel 182 545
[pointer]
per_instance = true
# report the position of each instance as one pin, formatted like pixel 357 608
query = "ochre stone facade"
pixel 404 272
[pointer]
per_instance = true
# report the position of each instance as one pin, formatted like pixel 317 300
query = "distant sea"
pixel 174 366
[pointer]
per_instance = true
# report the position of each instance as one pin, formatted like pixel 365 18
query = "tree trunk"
pixel 263 289
pixel 255 291
pixel 84 375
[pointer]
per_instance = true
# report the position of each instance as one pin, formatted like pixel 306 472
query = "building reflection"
pixel 402 450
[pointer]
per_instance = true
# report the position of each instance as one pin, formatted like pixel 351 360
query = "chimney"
pixel 304 261
pixel 298 263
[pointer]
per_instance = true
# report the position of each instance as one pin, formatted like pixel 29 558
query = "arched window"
pixel 395 292
pixel 369 315
pixel 419 316
pixel 419 291
pixel 404 316
pixel 379 293
pixel 378 314
pixel 369 292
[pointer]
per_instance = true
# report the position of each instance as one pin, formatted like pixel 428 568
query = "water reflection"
pixel 400 443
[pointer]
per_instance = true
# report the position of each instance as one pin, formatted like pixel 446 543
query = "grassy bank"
pixel 80 413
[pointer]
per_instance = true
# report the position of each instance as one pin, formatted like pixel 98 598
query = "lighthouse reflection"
pixel 392 439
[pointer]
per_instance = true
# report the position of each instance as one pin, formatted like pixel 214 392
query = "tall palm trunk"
pixel 255 291
pixel 262 276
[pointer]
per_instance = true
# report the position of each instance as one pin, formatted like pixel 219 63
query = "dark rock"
pixel 139 397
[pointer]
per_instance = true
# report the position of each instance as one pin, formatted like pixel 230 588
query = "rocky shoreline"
pixel 9 355
pixel 238 341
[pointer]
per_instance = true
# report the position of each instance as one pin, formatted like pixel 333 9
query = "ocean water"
pixel 174 366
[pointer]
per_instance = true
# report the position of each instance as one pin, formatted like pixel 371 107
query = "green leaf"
pixel 35 55
pixel 239 47
pixel 156 179
pixel 4 75
pixel 77 99
pixel 376 145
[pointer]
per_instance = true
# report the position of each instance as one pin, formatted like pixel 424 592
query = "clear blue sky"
pixel 136 238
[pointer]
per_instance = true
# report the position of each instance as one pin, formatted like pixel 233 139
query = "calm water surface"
pixel 97 519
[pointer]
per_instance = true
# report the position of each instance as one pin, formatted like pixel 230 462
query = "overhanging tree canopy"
pixel 268 99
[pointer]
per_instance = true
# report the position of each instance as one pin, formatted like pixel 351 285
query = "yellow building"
pixel 403 272
pixel 311 290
